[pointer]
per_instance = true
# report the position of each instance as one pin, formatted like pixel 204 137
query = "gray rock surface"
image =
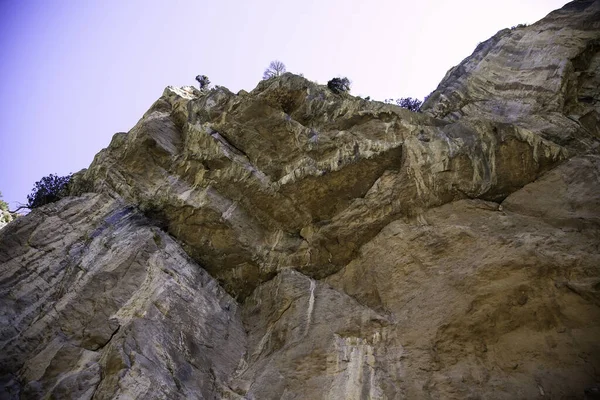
pixel 307 340
pixel 294 176
pixel 543 76
pixel 97 303
pixel 492 301
pixel 357 250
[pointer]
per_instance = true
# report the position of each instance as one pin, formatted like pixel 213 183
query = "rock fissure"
pixel 112 335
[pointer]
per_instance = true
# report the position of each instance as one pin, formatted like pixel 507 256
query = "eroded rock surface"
pixel 370 252
pixel 307 340
pixel 294 176
pixel 97 303
pixel 492 301
pixel 543 76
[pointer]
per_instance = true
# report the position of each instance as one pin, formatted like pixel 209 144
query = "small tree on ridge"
pixel 276 68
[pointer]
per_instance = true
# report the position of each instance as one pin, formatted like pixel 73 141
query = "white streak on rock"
pixel 311 305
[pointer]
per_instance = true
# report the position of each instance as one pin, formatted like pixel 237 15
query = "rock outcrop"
pixel 294 176
pixel 289 242
pixel 98 303
pixel 543 76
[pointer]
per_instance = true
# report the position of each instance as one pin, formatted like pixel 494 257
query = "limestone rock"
pixel 491 301
pixel 356 250
pixel 242 179
pixel 306 340
pixel 97 303
pixel 543 76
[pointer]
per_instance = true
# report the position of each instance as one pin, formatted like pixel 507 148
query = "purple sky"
pixel 74 72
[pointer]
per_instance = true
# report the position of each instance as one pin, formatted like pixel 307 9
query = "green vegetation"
pixel 49 189
pixel 5 216
pixel 406 102
pixel 3 204
pixel 512 28
pixel 339 85
pixel 203 81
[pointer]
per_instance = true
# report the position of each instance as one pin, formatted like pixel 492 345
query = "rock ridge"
pixel 273 179
pixel 289 242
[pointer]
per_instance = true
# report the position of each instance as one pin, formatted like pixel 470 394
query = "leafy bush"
pixel 203 81
pixel 276 68
pixel 409 103
pixel 406 102
pixel 5 218
pixel 3 204
pixel 339 85
pixel 48 190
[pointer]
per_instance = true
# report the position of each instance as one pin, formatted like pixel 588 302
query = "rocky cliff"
pixel 294 243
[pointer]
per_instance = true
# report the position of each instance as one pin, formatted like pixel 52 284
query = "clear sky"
pixel 74 72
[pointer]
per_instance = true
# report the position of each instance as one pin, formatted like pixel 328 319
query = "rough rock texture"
pixel 371 252
pixel 307 338
pixel 543 76
pixel 492 301
pixel 293 176
pixel 96 303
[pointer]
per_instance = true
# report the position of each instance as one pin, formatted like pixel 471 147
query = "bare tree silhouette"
pixel 276 68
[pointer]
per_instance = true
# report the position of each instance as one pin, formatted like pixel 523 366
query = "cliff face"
pixel 294 243
pixel 544 76
pixel 293 176
pixel 98 303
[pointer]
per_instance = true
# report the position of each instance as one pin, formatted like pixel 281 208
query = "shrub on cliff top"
pixel 49 189
pixel 339 85
pixel 409 103
pixel 406 102
pixel 518 26
pixel 203 81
